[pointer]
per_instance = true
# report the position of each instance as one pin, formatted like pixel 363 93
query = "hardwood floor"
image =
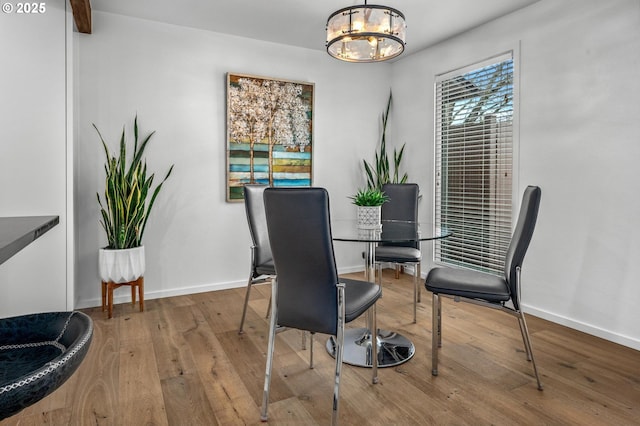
pixel 181 362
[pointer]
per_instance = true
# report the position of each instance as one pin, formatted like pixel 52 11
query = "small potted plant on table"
pixel 369 203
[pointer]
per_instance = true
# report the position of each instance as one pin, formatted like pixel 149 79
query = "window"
pixel 474 164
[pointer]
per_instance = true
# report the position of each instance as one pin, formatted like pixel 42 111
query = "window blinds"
pixel 473 164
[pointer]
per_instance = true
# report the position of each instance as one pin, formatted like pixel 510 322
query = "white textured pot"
pixel 369 216
pixel 121 266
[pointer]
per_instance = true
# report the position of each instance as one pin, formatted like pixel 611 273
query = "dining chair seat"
pixel 470 284
pixel 396 254
pixel 358 296
pixel 266 268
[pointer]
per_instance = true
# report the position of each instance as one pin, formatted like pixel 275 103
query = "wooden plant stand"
pixel 107 294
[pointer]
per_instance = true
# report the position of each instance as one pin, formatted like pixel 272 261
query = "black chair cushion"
pixel 397 254
pixel 466 283
pixel 267 268
pixel 359 296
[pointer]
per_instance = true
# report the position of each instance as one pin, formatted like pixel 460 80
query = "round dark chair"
pixel 38 353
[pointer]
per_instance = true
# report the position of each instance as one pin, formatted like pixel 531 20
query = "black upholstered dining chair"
pixel 307 293
pixel 262 268
pixel 485 289
pixel 402 205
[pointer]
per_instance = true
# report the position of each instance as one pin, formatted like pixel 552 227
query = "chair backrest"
pixel 254 206
pixel 402 205
pixel 521 237
pixel 302 246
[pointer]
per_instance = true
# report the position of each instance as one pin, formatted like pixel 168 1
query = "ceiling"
pixel 302 22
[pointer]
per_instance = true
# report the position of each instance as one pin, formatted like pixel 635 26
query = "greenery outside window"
pixel 474 164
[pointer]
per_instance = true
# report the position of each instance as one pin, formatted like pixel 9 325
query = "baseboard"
pixel 580 326
pixel 350 269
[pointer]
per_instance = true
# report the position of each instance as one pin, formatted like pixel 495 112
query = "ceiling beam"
pixel 82 15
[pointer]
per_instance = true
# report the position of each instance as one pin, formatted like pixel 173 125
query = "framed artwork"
pixel 269 133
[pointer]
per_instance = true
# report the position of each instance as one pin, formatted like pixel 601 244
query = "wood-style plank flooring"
pixel 182 362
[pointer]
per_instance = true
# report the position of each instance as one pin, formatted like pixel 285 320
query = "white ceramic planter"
pixel 369 216
pixel 121 266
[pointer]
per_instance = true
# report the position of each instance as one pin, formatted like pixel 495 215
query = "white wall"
pixel 579 141
pixel 33 155
pixel 174 78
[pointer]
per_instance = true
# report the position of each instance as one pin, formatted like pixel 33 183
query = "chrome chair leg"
pixel 339 353
pixel 272 341
pixel 418 265
pixel 373 326
pixel 416 290
pixel 246 303
pixel 439 322
pixel 520 315
pixel 310 347
pixel 524 337
pixel 435 333
pixel 527 344
pixel 525 330
pixel 268 309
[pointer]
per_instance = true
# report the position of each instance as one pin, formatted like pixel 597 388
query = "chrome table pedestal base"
pixel 393 348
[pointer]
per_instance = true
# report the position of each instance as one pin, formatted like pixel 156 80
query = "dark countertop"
pixel 18 232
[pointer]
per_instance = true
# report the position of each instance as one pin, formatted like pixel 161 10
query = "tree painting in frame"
pixel 269 133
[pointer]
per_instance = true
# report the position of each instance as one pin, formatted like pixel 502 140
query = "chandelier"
pixel 366 33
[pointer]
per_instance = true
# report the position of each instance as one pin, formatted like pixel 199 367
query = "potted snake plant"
pixel 128 198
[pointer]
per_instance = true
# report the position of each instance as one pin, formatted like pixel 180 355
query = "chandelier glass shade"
pixel 366 33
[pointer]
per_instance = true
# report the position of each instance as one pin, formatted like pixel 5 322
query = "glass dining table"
pixel 392 348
